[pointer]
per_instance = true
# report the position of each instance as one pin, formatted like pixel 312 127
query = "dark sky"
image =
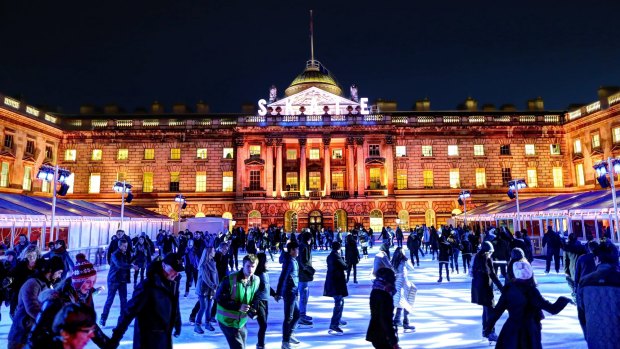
pixel 68 53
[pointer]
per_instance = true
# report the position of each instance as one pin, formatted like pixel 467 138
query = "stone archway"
pixel 376 220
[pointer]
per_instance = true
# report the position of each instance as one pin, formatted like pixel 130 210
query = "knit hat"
pixel 522 270
pixel 83 268
pixel 517 254
pixel 487 246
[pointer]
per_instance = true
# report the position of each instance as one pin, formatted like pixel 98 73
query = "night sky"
pixel 63 54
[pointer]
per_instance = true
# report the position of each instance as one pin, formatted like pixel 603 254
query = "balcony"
pixel 377 192
pixel 314 194
pixel 375 160
pixel 253 192
pixel 254 160
pixel 339 194
pixel 292 195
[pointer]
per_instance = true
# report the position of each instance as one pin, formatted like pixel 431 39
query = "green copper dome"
pixel 314 75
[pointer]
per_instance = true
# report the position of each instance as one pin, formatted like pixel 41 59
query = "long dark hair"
pixel 398 258
pixel 261 268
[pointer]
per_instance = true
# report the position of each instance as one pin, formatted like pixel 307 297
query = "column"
pixel 327 173
pixel 240 169
pixel 279 167
pixel 302 167
pixel 269 168
pixel 350 166
pixel 389 162
pixel 361 169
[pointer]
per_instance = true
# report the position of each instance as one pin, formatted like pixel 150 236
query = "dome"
pixel 314 75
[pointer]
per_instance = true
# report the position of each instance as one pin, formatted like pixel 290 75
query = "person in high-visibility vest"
pixel 235 295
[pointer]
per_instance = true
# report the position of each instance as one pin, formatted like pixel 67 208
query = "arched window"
pixel 199 215
pixel 229 216
pixel 430 218
pixel 254 219
pixel 376 220
pixel 315 220
pixel 403 215
pixel 456 212
pixel 290 221
pixel 340 220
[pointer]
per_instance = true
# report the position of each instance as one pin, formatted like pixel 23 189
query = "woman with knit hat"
pixel 78 289
pixel 524 304
pixel 483 278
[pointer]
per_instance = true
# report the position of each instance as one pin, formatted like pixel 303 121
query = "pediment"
pixel 313 97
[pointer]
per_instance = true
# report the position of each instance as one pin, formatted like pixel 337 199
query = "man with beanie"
pixel 288 289
pixel 483 278
pixel 118 278
pixel 336 287
pixel 306 274
pixel 155 306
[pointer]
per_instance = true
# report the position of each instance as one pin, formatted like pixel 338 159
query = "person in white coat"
pixel 406 291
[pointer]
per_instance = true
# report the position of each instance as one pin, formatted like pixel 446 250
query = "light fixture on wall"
pixel 513 192
pixel 126 196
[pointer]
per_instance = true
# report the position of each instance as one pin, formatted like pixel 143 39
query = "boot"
pixel 198 329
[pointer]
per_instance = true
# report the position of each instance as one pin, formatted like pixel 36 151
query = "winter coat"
pixel 335 282
pixel 380 329
pixel 381 261
pixel 598 297
pixel 584 266
pixel 52 301
pixel 502 249
pixel 28 308
pixel 155 306
pixel 208 279
pixel 553 240
pixel 120 266
pixel 66 260
pixel 289 277
pixel 264 289
pixel 483 278
pixel 445 251
pixel 304 260
pixel 572 251
pixel 20 273
pixel 529 250
pixel 405 289
pixel 141 255
pixel 520 243
pixel 221 263
pixel 524 304
pixel 351 253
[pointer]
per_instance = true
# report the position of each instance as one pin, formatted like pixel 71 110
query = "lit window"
pixel 504 149
pixel 577 146
pixel 336 154
pixel 175 181
pixel 581 180
pixel 530 149
pixel 97 155
pixel 123 154
pixel 558 180
pixel 428 178
pixel 27 183
pixel 373 150
pixel 49 152
pixel 315 154
pixel 401 151
pixel 228 153
pixel 94 183
pixel 455 178
pixel 315 180
pixel 478 150
pixel 4 175
pixel 453 150
pixel 615 133
pixel 201 153
pixel 596 140
pixel 554 149
pixel 70 155
pixel 121 176
pixel 227 181
pixel 532 178
pixel 481 178
pixel 255 150
pixel 401 179
pixel 147 182
pixel 175 154
pixel 506 176
pixel 375 178
pixel 46 187
pixel 149 154
pixel 201 181
pixel 427 150
pixel 338 180
pixel 291 154
pixel 291 181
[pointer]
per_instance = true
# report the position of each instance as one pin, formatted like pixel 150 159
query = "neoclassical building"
pixel 312 156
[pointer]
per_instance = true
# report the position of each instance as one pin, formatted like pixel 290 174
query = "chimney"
pixel 157 108
pixel 386 106
pixel 202 107
pixel 423 104
pixel 488 107
pixel 179 108
pixel 248 108
pixel 606 91
pixel 508 107
pixel 470 104
pixel 87 109
pixel 111 109
pixel 536 104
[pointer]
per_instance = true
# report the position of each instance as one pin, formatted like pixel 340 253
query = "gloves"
pixel 177 333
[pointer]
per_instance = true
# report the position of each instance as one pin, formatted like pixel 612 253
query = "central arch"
pixel 315 220
pixel 254 219
pixel 376 220
pixel 290 221
pixel 340 220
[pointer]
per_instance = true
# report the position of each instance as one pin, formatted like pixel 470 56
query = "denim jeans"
pixel 487 315
pixel 205 309
pixel 304 294
pixel 121 287
pixel 236 337
pixel 338 308
pixel 291 316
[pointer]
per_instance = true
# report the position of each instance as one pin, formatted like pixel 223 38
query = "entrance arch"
pixel 229 216
pixel 376 220
pixel 340 220
pixel 429 217
pixel 315 220
pixel 290 221
pixel 456 212
pixel 403 215
pixel 254 219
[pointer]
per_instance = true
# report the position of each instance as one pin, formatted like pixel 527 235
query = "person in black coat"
pixel 413 245
pixel 336 287
pixel 482 287
pixel 73 326
pixel 118 278
pixel 553 241
pixel 155 306
pixel 381 333
pixel 445 251
pixel 352 256
pixel 306 275
pixel 529 250
pixel 524 303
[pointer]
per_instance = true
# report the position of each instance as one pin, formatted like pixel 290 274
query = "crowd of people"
pixel 50 295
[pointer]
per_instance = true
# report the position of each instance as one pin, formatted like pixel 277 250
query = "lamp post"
pixel 54 175
pixel 123 187
pixel 513 192
pixel 602 169
pixel 463 196
pixel 180 199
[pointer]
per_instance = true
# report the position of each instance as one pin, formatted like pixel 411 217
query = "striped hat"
pixel 83 268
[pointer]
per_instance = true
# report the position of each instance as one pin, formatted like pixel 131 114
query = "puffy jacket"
pixel 120 266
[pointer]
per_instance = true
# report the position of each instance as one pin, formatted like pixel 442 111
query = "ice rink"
pixel 443 317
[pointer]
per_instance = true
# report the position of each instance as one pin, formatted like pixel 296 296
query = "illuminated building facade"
pixel 312 157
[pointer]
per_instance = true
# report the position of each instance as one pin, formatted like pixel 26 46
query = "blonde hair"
pixel 28 250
